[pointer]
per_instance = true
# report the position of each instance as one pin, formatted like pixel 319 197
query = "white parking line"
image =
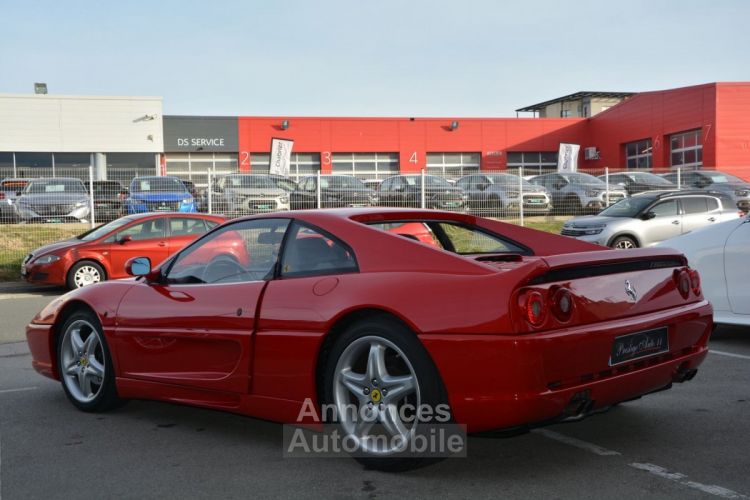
pixel 19 389
pixel 679 478
pixel 730 354
pixel 597 450
pixel 6 296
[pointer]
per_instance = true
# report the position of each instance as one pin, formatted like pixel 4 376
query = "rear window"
pixel 454 237
pixel 694 205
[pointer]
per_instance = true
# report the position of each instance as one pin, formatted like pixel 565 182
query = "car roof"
pixel 671 193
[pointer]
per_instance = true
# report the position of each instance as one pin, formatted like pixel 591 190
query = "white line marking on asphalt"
pixel 730 354
pixel 19 389
pixel 6 296
pixel 679 478
pixel 598 450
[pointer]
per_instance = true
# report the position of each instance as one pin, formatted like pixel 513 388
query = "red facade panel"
pixel 720 111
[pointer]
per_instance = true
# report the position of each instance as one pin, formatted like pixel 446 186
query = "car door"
pixel 666 223
pixel 194 326
pixel 147 238
pixel 695 213
pixel 736 269
pixel 183 230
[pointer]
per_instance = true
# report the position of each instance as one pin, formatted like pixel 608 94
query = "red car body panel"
pixel 111 256
pixel 253 348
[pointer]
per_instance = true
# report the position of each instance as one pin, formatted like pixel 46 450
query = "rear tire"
pixel 403 362
pixel 85 364
pixel 84 273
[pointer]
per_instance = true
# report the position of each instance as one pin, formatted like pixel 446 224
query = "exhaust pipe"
pixel 684 374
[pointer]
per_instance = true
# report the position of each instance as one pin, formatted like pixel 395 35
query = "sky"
pixel 378 58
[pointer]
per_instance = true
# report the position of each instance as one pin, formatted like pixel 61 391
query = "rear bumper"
pixel 40 340
pixel 508 381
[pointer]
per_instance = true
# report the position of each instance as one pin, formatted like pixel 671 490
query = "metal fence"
pixel 38 211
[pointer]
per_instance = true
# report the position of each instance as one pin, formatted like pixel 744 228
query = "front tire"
pixel 377 366
pixel 84 273
pixel 85 364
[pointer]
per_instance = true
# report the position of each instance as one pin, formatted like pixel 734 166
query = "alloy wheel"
pixel 82 361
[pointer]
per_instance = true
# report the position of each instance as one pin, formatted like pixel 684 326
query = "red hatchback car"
pixel 101 253
pixel 373 313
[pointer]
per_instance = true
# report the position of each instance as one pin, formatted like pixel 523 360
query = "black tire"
pixel 623 243
pixel 105 397
pixel 428 379
pixel 70 280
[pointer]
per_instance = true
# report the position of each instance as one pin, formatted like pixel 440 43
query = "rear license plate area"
pixel 639 345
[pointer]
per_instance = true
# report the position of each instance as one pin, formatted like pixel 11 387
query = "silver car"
pixel 499 194
pixel 57 199
pixel 576 192
pixel 237 194
pixel 650 217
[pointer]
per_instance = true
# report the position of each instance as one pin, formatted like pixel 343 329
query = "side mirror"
pixel 124 239
pixel 648 215
pixel 138 266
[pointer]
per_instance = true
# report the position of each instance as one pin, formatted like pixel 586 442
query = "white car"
pixel 721 253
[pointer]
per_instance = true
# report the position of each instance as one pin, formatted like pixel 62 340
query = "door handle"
pixel 675 222
pixel 712 219
pixel 162 243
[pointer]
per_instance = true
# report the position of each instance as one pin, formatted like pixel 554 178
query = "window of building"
pixel 686 149
pixel 124 166
pixel 565 113
pixel 300 164
pixel 453 164
pixel 195 167
pixel 638 154
pixel 533 163
pixel 366 165
pixel 34 165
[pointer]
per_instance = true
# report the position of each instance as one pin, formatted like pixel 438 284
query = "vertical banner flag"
pixel 281 156
pixel 567 158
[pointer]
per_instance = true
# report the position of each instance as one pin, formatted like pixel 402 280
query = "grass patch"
pixel 18 240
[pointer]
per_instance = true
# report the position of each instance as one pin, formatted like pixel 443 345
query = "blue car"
pixel 159 194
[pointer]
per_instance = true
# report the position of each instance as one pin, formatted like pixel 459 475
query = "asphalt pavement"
pixel 688 442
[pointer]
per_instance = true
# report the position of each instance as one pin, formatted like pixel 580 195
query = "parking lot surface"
pixel 689 442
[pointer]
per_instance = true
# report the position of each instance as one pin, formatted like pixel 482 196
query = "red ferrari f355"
pixel 510 327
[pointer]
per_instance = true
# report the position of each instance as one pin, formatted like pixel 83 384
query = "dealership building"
pixel 703 126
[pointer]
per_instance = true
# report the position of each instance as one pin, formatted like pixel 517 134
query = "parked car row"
pixel 488 194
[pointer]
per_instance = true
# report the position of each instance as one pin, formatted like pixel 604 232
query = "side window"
pixel 469 240
pixel 147 230
pixel 386 185
pixel 309 252
pixel 182 226
pixel 694 205
pixel 665 208
pixel 244 251
pixel 211 224
pixel 712 204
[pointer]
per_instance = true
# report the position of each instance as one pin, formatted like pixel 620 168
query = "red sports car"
pixel 101 253
pixel 507 327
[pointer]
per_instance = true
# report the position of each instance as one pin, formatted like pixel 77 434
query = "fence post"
pixel 520 194
pixel 209 191
pixel 91 196
pixel 679 178
pixel 317 188
pixel 422 203
pixel 606 181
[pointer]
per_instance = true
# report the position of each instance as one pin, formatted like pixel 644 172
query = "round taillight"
pixel 562 304
pixel 535 308
pixel 695 281
pixel 682 277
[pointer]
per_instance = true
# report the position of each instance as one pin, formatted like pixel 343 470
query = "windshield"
pixel 341 182
pixel 285 184
pixel 579 178
pixel 250 182
pixel 430 181
pixel 647 178
pixel 157 184
pixel 55 186
pixel 509 180
pixel 721 178
pixel 628 207
pixel 100 231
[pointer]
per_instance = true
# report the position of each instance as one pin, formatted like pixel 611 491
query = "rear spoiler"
pixel 589 264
